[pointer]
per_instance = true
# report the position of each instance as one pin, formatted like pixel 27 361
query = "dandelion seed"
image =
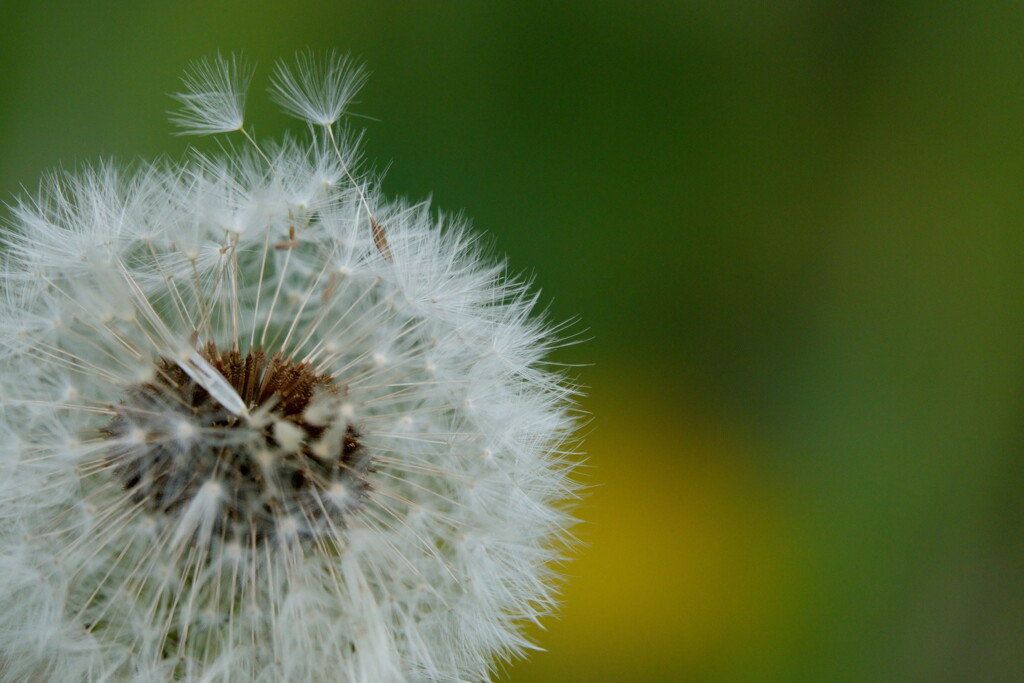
pixel 214 97
pixel 317 90
pixel 261 424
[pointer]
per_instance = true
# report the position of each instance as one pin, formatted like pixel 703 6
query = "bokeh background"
pixel 794 235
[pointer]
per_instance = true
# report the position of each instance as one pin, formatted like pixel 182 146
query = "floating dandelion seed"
pixel 260 424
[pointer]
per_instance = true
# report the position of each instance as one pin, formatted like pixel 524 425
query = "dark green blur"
pixel 794 235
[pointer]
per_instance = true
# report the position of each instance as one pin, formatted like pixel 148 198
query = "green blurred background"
pixel 795 234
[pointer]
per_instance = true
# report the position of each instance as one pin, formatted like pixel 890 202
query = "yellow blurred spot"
pixel 690 569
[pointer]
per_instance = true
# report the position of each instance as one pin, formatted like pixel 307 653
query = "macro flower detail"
pixel 264 469
pixel 260 423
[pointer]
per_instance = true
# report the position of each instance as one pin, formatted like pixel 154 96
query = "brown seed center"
pixel 295 468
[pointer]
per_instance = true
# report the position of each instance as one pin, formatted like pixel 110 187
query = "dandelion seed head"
pixel 261 423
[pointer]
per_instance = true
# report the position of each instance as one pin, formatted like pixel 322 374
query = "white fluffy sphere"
pixel 260 424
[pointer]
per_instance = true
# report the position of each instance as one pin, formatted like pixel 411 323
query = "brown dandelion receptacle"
pixel 292 463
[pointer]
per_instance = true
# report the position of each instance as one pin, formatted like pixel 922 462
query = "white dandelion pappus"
pixel 261 424
pixel 214 101
pixel 317 90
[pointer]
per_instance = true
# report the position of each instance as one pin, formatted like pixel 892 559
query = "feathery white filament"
pixel 206 376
